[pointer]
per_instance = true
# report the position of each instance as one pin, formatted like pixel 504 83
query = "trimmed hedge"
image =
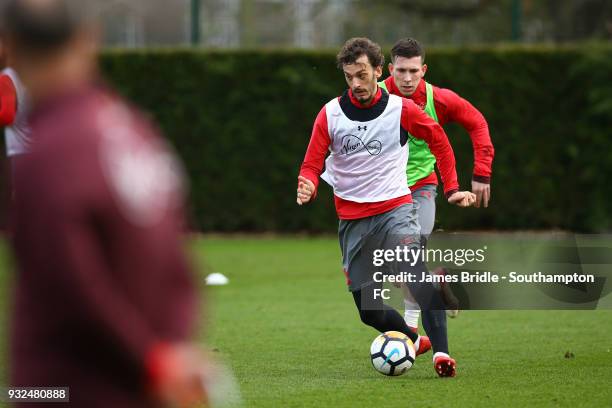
pixel 241 121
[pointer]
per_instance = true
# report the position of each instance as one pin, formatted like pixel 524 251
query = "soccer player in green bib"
pixel 407 69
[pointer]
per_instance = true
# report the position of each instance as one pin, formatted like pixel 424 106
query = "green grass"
pixel 289 329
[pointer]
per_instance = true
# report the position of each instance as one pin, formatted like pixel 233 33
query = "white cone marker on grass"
pixel 217 279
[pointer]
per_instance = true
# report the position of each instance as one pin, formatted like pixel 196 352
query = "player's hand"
pixel 483 193
pixel 181 374
pixel 462 198
pixel 305 190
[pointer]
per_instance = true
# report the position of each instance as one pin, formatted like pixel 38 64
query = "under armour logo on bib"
pixel 362 128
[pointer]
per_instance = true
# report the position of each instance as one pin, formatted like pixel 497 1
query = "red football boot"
pixel 424 345
pixel 445 366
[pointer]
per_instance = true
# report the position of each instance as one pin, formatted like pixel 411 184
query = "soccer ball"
pixel 392 353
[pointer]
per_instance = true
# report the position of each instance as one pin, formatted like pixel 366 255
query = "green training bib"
pixel 421 161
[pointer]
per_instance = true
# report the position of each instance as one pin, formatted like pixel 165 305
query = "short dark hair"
pixel 355 48
pixel 39 28
pixel 407 48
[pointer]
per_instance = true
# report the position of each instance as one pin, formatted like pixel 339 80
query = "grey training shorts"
pixel 425 202
pixel 359 237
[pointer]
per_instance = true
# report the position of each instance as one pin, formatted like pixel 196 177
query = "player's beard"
pixel 367 98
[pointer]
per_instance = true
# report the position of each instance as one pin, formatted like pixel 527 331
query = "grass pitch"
pixel 289 329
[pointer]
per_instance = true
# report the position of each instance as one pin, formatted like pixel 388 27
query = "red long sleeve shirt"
pixel 8 101
pixel 414 121
pixel 450 107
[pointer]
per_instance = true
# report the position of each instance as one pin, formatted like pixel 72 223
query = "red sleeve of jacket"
pixel 8 101
pixel 314 160
pixel 461 111
pixel 420 125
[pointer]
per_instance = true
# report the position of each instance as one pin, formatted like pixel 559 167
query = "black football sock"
pixel 434 323
pixel 383 317
pixel 433 309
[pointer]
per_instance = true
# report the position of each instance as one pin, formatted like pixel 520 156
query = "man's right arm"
pixel 314 160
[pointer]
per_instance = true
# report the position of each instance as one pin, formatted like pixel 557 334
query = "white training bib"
pixel 367 162
pixel 18 134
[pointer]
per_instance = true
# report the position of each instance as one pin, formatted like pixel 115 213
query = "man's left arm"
pixel 463 112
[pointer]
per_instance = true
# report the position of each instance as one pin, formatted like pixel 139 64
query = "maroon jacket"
pixel 102 277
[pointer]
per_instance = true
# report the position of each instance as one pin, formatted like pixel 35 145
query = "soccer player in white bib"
pixel 13 112
pixel 365 131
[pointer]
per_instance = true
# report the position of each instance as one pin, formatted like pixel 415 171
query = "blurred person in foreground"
pixel 105 301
